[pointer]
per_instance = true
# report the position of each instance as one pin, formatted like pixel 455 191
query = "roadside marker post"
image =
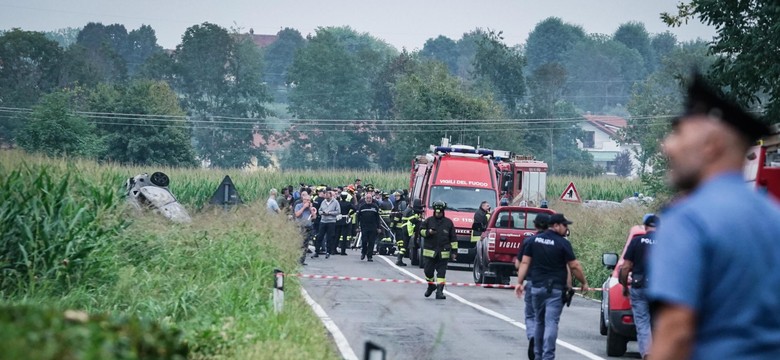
pixel 278 291
pixel 374 352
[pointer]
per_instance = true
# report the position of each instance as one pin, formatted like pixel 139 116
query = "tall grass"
pixel 210 278
pixel 594 188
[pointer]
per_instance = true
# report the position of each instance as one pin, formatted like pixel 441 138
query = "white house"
pixel 602 140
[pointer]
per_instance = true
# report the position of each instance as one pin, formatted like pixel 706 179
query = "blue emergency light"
pixel 446 149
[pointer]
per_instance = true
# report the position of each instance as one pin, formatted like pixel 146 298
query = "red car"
pixel 496 251
pixel 617 319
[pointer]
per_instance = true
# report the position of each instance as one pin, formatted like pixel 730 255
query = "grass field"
pixel 210 278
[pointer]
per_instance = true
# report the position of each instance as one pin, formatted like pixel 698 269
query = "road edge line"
pixel 341 341
pixel 496 314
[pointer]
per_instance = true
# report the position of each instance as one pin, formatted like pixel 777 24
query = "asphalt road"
pixel 472 323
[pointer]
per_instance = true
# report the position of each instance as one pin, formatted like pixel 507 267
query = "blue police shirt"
pixel 550 253
pixel 718 253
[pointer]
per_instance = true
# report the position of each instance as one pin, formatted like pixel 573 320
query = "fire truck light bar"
pixel 445 149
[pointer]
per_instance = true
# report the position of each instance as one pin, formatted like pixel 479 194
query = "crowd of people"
pixel 337 218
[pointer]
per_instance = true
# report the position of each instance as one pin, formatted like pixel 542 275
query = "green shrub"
pixel 30 332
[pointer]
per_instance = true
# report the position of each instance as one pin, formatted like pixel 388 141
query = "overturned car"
pixel 146 192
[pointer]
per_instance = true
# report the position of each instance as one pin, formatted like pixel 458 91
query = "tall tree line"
pixel 340 98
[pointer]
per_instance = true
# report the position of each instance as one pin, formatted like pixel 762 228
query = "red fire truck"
pixel 762 169
pixel 461 176
pixel 523 179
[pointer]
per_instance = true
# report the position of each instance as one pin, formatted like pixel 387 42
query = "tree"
pixel 162 137
pixel 277 60
pixel 429 94
pixel 634 36
pixel 663 44
pixel 330 84
pixel 219 77
pixel 654 102
pixel 141 45
pixel 103 49
pixel 601 73
pixel 442 49
pixel 467 49
pixel 623 165
pixel 55 130
pixel 554 141
pixel 745 48
pixel 64 37
pixel 29 67
pixel 502 66
pixel 549 41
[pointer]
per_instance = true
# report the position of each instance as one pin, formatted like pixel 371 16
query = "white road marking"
pixel 341 341
pixel 497 315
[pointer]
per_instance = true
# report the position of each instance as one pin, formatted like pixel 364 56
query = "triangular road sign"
pixel 571 194
pixel 226 194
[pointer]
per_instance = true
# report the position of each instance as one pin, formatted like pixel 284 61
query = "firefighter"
pixel 396 226
pixel 481 216
pixel 344 220
pixel 411 217
pixel 440 244
pixel 385 208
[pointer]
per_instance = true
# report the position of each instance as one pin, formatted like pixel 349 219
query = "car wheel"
pixel 479 272
pixel 616 344
pixel 602 324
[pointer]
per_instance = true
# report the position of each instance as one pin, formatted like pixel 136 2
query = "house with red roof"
pixel 603 140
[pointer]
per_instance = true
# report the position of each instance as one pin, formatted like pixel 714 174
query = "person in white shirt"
pixel 271 204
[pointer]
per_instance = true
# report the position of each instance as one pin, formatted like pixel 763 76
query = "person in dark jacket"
pixel 481 216
pixel 368 221
pixel 439 245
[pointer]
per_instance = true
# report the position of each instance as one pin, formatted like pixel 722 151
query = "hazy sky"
pixel 399 22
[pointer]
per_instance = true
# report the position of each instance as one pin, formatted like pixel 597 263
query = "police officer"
pixel 541 223
pixel 548 257
pixel 635 262
pixel 343 230
pixel 439 245
pixel 369 222
pixel 715 265
pixel 481 217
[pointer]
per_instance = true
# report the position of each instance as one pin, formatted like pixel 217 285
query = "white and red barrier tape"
pixel 404 281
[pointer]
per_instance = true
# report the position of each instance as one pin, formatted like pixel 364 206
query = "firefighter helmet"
pixel 439 205
pixel 417 206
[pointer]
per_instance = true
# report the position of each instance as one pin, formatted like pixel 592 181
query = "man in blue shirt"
pixel 634 262
pixel 548 257
pixel 541 224
pixel 715 264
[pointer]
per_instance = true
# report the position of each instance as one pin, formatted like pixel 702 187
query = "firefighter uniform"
pixel 397 227
pixel 343 230
pixel 440 240
pixel 386 239
pixel 411 217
